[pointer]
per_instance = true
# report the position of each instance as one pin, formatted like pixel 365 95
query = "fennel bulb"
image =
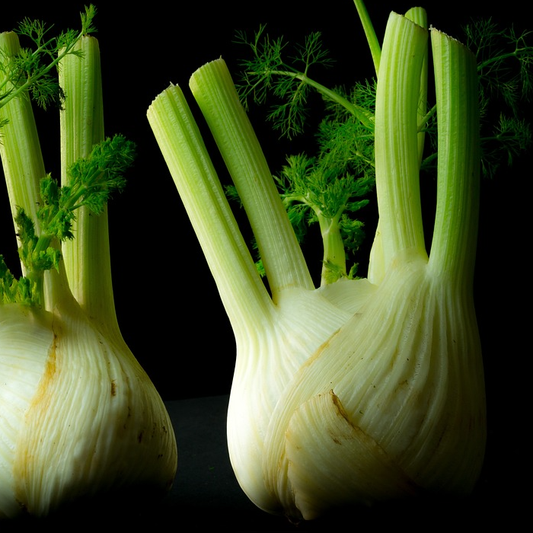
pixel 80 420
pixel 360 390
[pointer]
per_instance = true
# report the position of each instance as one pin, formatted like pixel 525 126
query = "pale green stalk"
pixel 419 16
pixel 86 257
pixel 214 90
pixel 241 289
pixel 20 148
pixel 456 221
pixel 334 263
pixel 371 37
pixel 396 141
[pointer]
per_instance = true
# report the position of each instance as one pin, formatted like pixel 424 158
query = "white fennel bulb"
pixel 358 391
pixel 81 423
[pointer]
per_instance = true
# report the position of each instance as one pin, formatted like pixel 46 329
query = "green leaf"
pixel 93 181
pixel 33 69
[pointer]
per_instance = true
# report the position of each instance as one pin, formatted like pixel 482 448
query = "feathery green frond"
pixel 33 69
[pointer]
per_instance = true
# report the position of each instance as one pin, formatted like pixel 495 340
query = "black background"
pixel 167 303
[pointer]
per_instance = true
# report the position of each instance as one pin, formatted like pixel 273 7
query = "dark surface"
pixel 206 495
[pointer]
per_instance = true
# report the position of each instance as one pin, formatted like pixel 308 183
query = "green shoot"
pixel 371 37
pixel 314 193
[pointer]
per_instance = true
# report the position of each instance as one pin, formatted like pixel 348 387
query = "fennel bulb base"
pixel 80 419
pixel 389 406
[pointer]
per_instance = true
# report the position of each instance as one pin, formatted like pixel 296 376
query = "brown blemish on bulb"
pixel 23 463
pixel 43 391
